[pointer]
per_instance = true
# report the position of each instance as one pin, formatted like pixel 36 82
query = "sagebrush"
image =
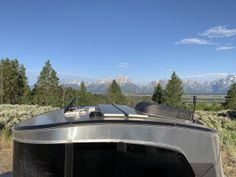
pixel 224 122
pixel 13 114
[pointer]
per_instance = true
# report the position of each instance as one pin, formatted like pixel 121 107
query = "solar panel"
pixel 109 110
pixel 130 112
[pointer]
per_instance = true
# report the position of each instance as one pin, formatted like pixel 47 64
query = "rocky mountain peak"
pixel 191 86
pixel 123 80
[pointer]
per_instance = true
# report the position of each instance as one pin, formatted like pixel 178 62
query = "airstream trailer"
pixel 116 141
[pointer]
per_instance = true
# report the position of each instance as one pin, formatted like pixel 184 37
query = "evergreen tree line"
pixel 14 89
pixel 172 94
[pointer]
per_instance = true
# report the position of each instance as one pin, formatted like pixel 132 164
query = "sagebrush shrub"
pixel 13 114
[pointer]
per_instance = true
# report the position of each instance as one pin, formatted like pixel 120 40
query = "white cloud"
pixel 123 65
pixel 219 31
pixel 225 48
pixel 193 41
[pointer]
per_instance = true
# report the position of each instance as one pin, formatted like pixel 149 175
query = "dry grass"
pixel 5 152
pixel 229 162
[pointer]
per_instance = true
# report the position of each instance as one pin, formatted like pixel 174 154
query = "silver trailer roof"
pixel 123 124
pixel 108 112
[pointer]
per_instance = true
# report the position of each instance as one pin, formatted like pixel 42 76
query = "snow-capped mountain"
pixel 76 82
pixel 193 86
pixel 128 86
pixel 222 85
pixel 101 86
pixel 119 79
pixel 123 80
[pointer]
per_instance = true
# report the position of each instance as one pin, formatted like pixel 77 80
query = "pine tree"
pixel 114 94
pixel 83 94
pixel 47 90
pixel 230 99
pixel 83 87
pixel 14 82
pixel 67 95
pixel 16 97
pixel 174 91
pixel 158 95
pixel 24 90
pixel 55 90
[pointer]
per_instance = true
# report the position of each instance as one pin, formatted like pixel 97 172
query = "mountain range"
pixel 191 86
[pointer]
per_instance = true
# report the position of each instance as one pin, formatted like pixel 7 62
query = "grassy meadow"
pixel 223 121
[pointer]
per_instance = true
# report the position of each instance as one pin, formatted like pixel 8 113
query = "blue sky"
pixel 143 39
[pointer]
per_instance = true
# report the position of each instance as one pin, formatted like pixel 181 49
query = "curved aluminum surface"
pixel 187 141
pixel 200 145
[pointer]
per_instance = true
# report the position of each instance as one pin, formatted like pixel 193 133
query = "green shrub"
pixel 13 114
pixel 209 106
pixel 222 122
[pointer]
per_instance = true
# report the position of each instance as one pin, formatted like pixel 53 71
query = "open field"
pixel 224 121
pixel 201 98
pixel 205 98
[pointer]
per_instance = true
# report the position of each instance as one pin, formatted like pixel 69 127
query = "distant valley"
pixel 218 86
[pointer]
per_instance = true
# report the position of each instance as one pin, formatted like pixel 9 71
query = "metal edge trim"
pixel 122 121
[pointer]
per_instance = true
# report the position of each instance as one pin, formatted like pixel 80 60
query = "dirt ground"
pixel 229 162
pixel 5 155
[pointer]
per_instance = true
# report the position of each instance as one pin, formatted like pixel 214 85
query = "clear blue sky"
pixel 142 39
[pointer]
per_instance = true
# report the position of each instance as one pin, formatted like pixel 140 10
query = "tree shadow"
pixel 230 114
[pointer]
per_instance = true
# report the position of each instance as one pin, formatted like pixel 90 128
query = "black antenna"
pixel 194 103
pixel 71 103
